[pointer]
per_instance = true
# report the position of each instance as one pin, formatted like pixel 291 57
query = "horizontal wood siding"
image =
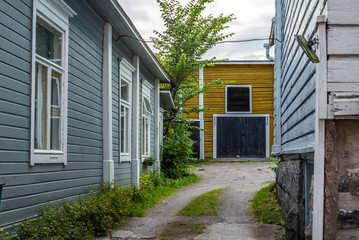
pixel 122 170
pixel 28 188
pixel 343 12
pixel 298 76
pixel 15 103
pixel 259 76
pixel 343 51
pixel 192 103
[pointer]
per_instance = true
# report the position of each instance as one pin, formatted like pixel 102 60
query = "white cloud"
pixel 253 20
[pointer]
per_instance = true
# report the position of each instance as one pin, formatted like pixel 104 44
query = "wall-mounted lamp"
pixel 307 47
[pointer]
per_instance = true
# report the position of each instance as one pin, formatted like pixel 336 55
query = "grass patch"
pixel 147 198
pixel 179 230
pixel 94 215
pixel 265 207
pixel 201 162
pixel 205 204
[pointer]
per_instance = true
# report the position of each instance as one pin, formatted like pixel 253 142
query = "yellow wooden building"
pixel 241 122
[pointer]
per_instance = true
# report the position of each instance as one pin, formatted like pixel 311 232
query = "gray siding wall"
pixel 123 169
pixel 298 76
pixel 27 187
pixel 15 106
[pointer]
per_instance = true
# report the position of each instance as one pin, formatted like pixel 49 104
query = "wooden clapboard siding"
pixel 192 103
pixel 122 170
pixel 27 187
pixel 298 76
pixel 343 12
pixel 343 51
pixel 259 76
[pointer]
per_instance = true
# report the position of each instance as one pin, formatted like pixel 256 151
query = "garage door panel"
pixel 241 136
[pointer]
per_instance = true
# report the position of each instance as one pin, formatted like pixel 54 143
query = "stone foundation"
pixel 341 208
pixel 290 195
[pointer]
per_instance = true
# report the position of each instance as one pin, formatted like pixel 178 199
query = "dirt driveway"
pixel 242 180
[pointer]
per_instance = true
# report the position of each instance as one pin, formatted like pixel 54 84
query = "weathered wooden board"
pixel 343 40
pixel 343 12
pixel 343 70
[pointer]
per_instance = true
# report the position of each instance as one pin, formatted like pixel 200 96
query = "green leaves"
pixel 181 46
pixel 188 36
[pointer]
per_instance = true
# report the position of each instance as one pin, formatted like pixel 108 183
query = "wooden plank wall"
pixel 298 76
pixel 28 188
pixel 259 76
pixel 192 103
pixel 122 170
pixel 343 48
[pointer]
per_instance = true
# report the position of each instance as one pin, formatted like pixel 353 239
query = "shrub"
pixel 177 149
pixel 98 212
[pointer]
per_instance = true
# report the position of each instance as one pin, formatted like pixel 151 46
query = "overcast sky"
pixel 253 21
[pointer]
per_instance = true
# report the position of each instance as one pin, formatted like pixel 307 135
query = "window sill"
pixel 48 157
pixel 125 158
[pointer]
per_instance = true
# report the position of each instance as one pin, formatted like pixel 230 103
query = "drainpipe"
pixel 267 47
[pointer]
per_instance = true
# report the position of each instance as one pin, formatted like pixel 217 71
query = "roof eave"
pixel 112 12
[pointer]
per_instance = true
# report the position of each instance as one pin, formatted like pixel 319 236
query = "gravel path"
pixel 241 179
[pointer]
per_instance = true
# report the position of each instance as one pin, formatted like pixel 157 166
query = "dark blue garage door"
pixel 241 136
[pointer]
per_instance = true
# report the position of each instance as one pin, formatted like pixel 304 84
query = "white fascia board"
pixel 243 62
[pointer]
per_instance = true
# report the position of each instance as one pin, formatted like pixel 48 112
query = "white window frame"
pixel 56 14
pixel 146 117
pixel 250 98
pixel 126 70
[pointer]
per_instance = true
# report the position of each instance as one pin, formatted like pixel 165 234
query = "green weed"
pixel 205 204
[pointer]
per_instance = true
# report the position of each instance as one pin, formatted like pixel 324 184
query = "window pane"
pixel 48 41
pixel 124 129
pixel 238 99
pixel 125 91
pixel 143 137
pixel 40 107
pixel 146 106
pixel 55 133
pixel 55 110
pixel 55 88
pixel 147 137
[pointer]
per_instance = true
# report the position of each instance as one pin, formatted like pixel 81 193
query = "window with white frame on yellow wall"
pixel 147 114
pixel 49 82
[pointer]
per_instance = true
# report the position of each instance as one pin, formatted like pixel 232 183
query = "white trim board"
pixel 244 62
pixel 239 115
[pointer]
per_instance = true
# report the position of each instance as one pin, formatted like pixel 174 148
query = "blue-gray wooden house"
pixel 79 101
pixel 316 133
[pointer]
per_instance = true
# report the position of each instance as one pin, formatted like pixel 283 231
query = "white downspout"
pixel 108 164
pixel 267 47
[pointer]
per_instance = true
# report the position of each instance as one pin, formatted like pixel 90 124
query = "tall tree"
pixel 187 37
pixel 181 46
